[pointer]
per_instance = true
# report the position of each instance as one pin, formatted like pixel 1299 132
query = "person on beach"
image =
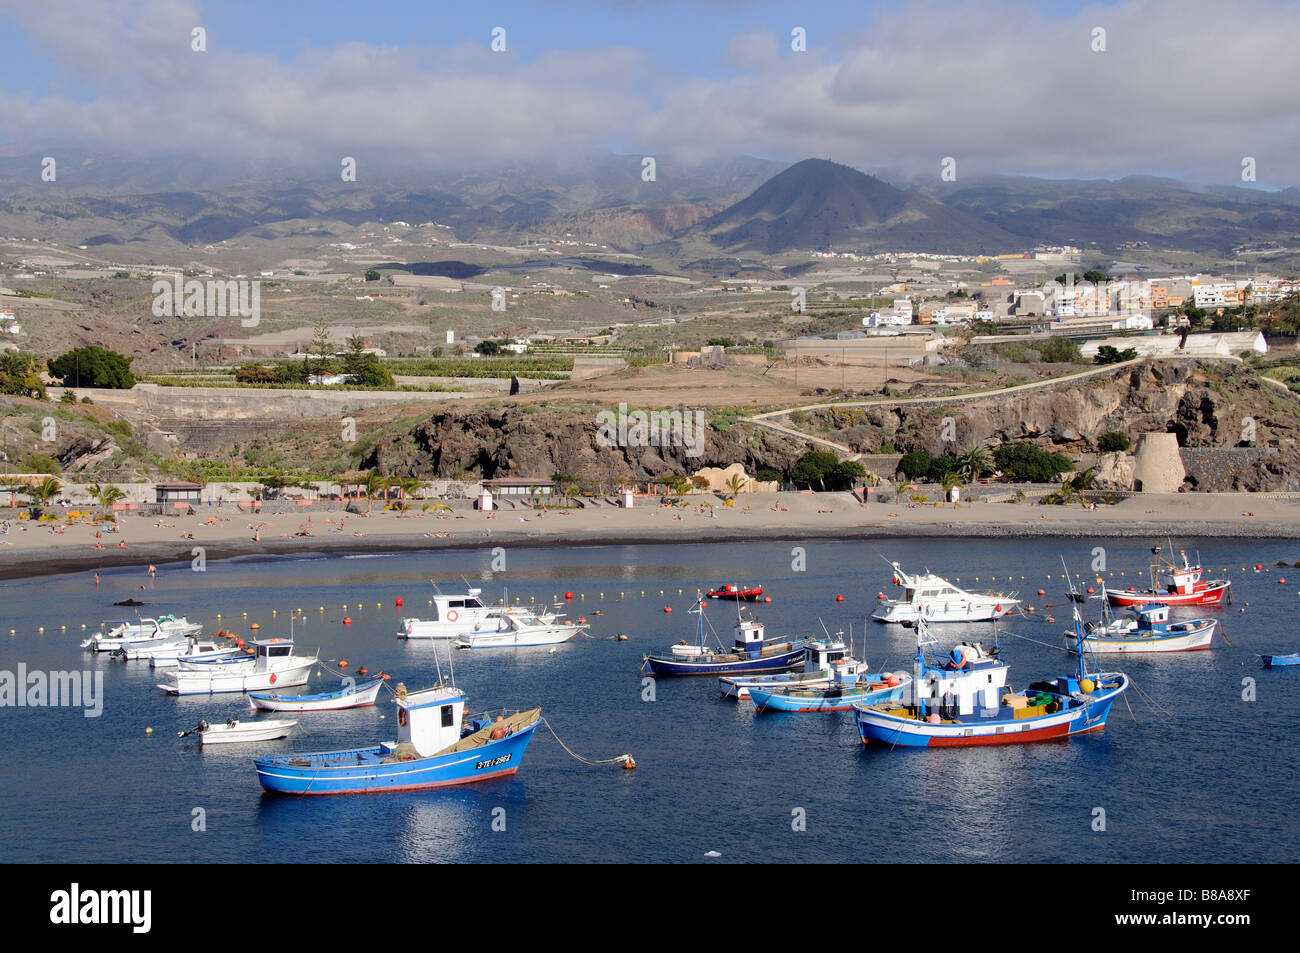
pixel 96 580
pixel 153 572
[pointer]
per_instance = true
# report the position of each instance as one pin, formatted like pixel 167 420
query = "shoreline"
pixel 37 550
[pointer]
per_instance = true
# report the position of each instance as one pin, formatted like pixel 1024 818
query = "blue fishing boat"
pixel 352 695
pixel 850 684
pixel 434 748
pixel 1280 661
pixel 961 698
pixel 751 652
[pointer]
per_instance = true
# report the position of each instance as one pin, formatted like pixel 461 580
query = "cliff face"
pixel 528 441
pixel 1206 405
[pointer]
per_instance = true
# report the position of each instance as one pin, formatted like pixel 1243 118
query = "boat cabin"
pixel 821 655
pixel 449 608
pixel 1151 616
pixel 749 637
pixel 267 650
pixel 971 680
pixel 430 720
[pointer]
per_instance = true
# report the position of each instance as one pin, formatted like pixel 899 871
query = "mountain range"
pixel 742 207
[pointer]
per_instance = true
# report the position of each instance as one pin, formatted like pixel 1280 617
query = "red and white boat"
pixel 1178 586
pixel 736 593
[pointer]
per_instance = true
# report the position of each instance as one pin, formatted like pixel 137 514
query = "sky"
pixel 1186 88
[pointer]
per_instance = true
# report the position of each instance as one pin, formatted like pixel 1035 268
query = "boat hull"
pixel 894 731
pixel 1212 595
pixel 216 683
pixel 740 687
pixel 546 635
pixel 371 776
pixel 777 661
pixel 894 611
pixel 245 733
pixel 1280 661
pixel 361 697
pixel 785 700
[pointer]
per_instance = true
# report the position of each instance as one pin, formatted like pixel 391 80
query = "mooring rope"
pixel 624 759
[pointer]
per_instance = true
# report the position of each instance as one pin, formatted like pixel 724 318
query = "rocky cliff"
pixel 1206 404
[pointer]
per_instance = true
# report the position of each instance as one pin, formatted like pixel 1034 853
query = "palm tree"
pixel 975 461
pixel 375 481
pixel 736 483
pixel 108 495
pixel 44 491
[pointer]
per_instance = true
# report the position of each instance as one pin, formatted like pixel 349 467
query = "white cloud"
pixel 1184 88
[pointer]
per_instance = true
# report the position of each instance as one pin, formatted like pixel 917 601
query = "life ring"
pixel 452 615
pixel 401 717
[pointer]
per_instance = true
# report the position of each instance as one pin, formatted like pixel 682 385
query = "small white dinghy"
pixel 235 731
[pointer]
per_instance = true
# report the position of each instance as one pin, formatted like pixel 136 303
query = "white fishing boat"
pixel 171 656
pixel 819 659
pixel 456 615
pixel 273 666
pixel 235 731
pixel 148 648
pixel 930 597
pixel 517 631
pixel 1149 631
pixel 120 633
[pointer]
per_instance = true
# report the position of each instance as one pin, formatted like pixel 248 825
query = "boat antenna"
pixel 451 665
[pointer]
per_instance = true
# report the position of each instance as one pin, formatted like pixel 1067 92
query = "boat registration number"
pixel 493 762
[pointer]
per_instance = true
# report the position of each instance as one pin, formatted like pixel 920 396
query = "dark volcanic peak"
pixel 818 204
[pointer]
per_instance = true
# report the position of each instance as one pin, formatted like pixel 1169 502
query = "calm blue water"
pixel 1210 778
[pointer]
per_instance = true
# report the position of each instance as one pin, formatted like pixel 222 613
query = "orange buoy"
pixel 255 625
pixel 880 595
pixel 1281 582
pixel 582 619
pixel 347 620
pixel 1042 592
pixel 343 663
pixel 1091 590
pixel 498 733
pixel 274 678
pixel 668 609
pixel 839 598
pixel 385 676
pixel 767 598
pixel 629 764
pixel 362 671
pixel 239 643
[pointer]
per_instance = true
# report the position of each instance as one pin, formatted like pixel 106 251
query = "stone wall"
pixel 1218 469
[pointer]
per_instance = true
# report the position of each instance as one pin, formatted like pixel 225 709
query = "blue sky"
pixel 1182 87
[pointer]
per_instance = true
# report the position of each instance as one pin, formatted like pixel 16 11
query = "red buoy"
pixel 767 598
pixel 568 595
pixel 880 596
pixel 582 619
pixel 1091 590
pixel 347 620
pixel 398 602
pixel 1281 582
pixel 668 609
pixel 1042 592
pixel 839 598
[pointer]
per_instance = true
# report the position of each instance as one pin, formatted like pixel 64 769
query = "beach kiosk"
pixel 485 500
pixel 625 497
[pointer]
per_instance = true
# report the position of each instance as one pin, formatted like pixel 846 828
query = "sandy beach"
pixel 32 548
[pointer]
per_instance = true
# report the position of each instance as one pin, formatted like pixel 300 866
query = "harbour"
pixel 1167 769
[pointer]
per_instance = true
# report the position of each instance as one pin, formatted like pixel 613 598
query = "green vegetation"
pixel 826 470
pixel 1113 442
pixel 41 463
pixel 20 375
pixel 92 366
pixel 1025 463
pixel 1106 354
